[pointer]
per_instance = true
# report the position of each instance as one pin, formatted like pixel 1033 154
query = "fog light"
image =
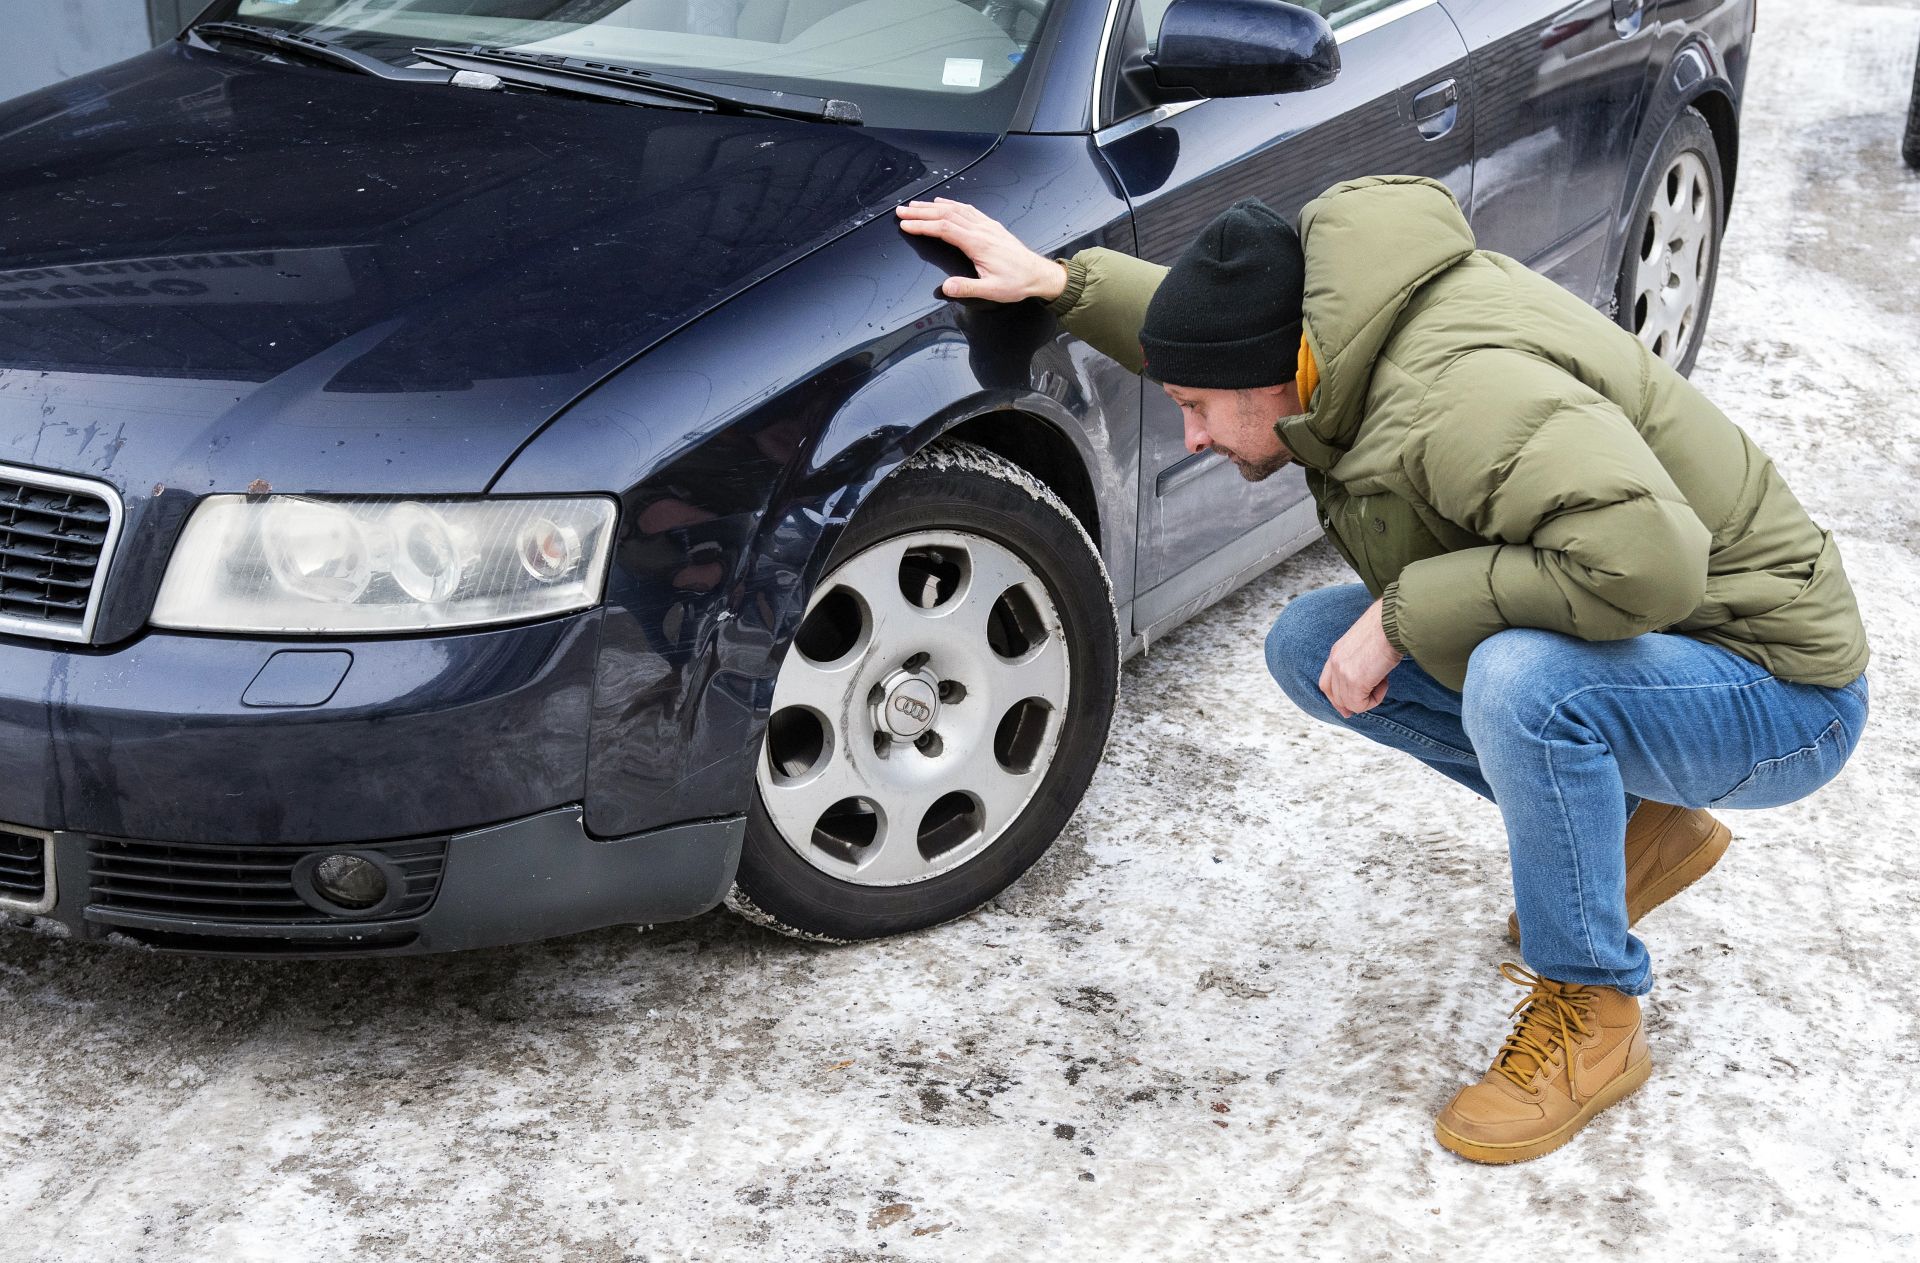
pixel 351 881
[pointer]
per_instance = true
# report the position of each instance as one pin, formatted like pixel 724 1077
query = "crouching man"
pixel 1586 595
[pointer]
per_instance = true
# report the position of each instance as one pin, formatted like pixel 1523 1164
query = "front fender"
pixel 742 447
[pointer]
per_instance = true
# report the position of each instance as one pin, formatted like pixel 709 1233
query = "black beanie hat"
pixel 1227 315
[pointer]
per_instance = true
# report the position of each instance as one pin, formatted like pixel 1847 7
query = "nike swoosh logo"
pixel 1606 1067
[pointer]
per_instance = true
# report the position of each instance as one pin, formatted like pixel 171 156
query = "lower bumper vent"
pixel 23 871
pixel 135 882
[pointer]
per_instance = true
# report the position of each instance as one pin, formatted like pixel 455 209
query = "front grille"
pixel 23 869
pixel 250 885
pixel 55 533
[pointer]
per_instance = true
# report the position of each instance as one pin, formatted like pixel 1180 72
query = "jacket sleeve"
pixel 1587 534
pixel 1105 302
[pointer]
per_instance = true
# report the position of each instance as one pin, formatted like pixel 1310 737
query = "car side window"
pixel 1337 12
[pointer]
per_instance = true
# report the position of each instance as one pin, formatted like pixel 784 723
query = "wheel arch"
pixel 928 385
pixel 1042 448
pixel 1696 77
pixel 1716 106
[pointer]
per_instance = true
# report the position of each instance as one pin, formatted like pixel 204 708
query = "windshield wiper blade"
pixel 315 48
pixel 640 87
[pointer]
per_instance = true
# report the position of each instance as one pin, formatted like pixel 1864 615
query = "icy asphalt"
pixel 1215 1022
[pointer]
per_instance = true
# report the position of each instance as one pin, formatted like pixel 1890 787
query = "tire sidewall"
pixel 961 496
pixel 1689 131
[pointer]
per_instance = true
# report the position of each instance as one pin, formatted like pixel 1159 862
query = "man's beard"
pixel 1255 411
pixel 1260 471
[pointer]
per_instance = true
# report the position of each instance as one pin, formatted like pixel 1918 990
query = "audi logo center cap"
pixel 909 708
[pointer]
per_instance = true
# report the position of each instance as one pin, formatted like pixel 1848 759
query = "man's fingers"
pixel 1330 690
pixel 919 210
pixel 946 229
pixel 928 227
pixel 963 287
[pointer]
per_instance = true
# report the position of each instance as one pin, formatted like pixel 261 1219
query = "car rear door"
pixel 1557 90
pixel 1400 105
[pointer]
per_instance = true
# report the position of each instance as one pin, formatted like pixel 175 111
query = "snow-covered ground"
pixel 1215 1022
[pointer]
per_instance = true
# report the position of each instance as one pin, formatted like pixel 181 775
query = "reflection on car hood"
pixel 216 270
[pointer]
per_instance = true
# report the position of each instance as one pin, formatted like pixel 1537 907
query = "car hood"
pixel 219 273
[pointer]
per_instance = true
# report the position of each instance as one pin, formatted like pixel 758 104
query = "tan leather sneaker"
pixel 1668 849
pixel 1574 1051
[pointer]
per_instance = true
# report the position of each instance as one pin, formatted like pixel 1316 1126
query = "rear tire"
pixel 1672 255
pixel 1910 146
pixel 877 867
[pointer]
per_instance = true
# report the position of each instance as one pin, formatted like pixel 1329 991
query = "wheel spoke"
pixel 956 633
pixel 875 575
pixel 1042 674
pixel 894 856
pixel 804 682
pixel 796 806
pixel 994 571
pixel 1001 791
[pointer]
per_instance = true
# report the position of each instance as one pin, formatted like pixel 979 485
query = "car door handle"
pixel 1437 109
pixel 1185 470
pixel 1627 15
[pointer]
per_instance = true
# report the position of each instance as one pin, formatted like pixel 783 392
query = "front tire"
pixel 941 710
pixel 1672 255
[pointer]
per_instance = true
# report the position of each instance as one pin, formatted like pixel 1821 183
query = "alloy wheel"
pixel 1673 259
pixel 918 710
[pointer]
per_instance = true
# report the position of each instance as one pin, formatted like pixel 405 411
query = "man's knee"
pixel 1303 636
pixel 1514 680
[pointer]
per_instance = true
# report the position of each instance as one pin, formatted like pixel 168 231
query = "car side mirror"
pixel 1243 48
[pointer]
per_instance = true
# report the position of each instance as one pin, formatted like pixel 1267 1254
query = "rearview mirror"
pixel 1243 48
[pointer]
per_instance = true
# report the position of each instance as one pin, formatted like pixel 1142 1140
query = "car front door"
pixel 1400 105
pixel 1557 92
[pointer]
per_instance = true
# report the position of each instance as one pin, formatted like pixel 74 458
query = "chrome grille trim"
pixel 16 860
pixel 66 484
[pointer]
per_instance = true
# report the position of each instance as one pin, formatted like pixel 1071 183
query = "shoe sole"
pixel 1696 865
pixel 1618 1090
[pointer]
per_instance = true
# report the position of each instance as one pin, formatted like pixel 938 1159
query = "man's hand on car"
pixel 1009 271
pixel 1355 677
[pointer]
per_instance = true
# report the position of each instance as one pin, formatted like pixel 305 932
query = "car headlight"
pixel 287 564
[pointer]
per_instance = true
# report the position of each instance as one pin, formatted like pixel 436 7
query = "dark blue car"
pixel 478 470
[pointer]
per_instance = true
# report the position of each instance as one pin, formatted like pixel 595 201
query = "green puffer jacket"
pixel 1488 451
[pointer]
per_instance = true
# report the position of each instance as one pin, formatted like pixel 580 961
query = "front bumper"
pixel 246 741
pixel 530 879
pixel 165 792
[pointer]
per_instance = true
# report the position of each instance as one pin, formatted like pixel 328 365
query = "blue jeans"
pixel 1566 736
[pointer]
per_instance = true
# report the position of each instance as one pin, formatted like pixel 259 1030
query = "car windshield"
pixel 949 65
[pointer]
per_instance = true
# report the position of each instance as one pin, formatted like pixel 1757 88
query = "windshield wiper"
pixel 636 87
pixel 315 49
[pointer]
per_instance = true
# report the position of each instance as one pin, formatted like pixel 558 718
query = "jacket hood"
pixel 217 270
pixel 1369 244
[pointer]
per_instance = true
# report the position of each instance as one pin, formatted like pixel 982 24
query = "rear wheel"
pixel 941 710
pixel 1667 271
pixel 1910 146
